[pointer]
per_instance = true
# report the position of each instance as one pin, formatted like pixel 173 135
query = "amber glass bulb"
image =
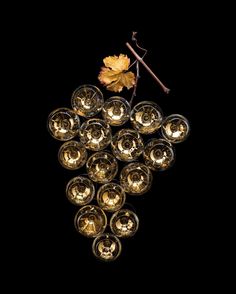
pixel 116 111
pixel 106 247
pixel 63 124
pixel 95 134
pixel 87 100
pixel 159 154
pixel 80 190
pixel 146 117
pixel 111 197
pixel 127 145
pixel 90 221
pixel 175 128
pixel 136 178
pixel 124 223
pixel 72 155
pixel 102 167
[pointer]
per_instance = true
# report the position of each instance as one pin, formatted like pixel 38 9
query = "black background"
pixel 64 50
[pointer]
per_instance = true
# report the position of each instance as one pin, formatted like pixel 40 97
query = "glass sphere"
pixel 102 167
pixel 146 117
pixel 80 190
pixel 124 223
pixel 175 128
pixel 136 178
pixel 72 155
pixel 90 221
pixel 159 154
pixel 87 100
pixel 63 124
pixel 116 111
pixel 106 247
pixel 111 197
pixel 95 134
pixel 127 145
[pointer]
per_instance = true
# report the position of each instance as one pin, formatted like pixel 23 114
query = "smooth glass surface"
pixel 87 100
pixel 72 155
pixel 116 111
pixel 159 154
pixel 63 124
pixel 80 190
pixel 124 223
pixel 175 128
pixel 127 145
pixel 95 134
pixel 111 197
pixel 102 167
pixel 90 221
pixel 136 178
pixel 106 247
pixel 146 117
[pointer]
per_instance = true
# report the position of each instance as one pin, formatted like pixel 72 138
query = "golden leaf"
pixel 115 75
pixel 117 63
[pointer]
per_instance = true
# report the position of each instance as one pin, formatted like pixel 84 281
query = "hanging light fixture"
pixel 99 192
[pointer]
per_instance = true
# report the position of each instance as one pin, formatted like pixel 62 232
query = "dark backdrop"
pixel 65 51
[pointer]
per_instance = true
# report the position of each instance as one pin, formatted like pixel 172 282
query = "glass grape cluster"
pixel 86 144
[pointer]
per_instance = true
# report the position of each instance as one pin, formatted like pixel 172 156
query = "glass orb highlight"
pixel 95 134
pixel 72 155
pixel 80 190
pixel 102 167
pixel 175 128
pixel 146 117
pixel 111 197
pixel 87 100
pixel 159 155
pixel 127 145
pixel 136 178
pixel 63 124
pixel 116 111
pixel 90 221
pixel 124 223
pixel 106 247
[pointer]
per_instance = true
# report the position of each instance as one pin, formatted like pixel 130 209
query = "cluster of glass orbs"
pixel 102 192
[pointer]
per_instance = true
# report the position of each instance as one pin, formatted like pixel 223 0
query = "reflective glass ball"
pixel 116 111
pixel 146 117
pixel 102 167
pixel 127 145
pixel 63 124
pixel 175 128
pixel 90 221
pixel 111 197
pixel 72 155
pixel 106 247
pixel 80 190
pixel 87 100
pixel 136 178
pixel 95 134
pixel 159 154
pixel 124 223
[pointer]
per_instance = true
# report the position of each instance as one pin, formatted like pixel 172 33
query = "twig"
pixel 137 45
pixel 136 83
pixel 165 89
